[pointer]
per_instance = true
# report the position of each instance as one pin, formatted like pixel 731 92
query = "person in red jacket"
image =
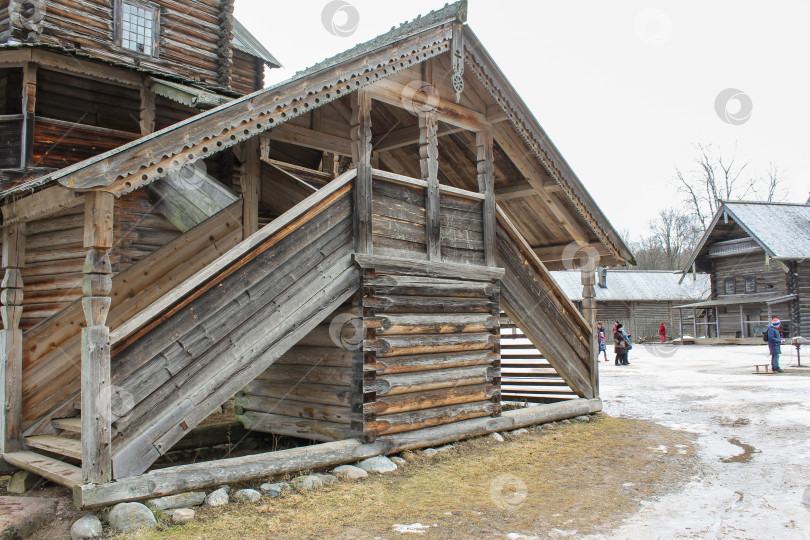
pixel 662 332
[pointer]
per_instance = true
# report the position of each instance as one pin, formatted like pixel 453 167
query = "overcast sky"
pixel 625 89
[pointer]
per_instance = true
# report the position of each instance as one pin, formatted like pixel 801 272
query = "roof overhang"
pixel 758 299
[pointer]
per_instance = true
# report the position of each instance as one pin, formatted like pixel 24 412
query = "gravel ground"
pixel 753 449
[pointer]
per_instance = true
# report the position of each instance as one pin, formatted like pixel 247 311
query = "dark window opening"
pixel 138 27
pixel 750 284
pixel 729 286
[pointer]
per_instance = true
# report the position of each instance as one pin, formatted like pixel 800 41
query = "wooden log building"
pixel 756 255
pixel 334 250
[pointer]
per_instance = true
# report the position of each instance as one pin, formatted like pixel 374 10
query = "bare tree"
pixel 673 236
pixel 717 178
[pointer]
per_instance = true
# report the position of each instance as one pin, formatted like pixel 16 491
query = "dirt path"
pixel 753 440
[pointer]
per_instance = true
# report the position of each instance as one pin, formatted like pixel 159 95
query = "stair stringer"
pixel 235 323
pixel 534 301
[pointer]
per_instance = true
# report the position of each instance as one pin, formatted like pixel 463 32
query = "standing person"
pixel 620 346
pixel 600 333
pixel 775 344
pixel 662 332
pixel 627 338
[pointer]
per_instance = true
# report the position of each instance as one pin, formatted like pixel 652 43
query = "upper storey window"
pixel 138 27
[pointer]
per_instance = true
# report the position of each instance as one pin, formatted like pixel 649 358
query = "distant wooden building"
pixel 640 300
pixel 757 256
pixel 328 249
pixel 81 78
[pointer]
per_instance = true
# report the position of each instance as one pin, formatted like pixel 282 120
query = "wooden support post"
pixel 96 378
pixel 147 114
pixel 742 322
pixel 29 101
pixel 361 157
pixel 680 324
pixel 486 185
pixel 588 279
pixel 694 323
pixel 251 185
pixel 429 163
pixel 717 320
pixel 11 339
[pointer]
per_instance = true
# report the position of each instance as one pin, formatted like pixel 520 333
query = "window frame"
pixel 753 280
pixel 729 281
pixel 119 26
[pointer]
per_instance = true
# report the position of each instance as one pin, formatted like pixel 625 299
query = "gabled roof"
pixel 781 229
pixel 247 43
pixel 631 285
pixel 145 160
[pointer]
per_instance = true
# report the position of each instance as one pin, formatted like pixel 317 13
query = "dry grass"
pixel 581 477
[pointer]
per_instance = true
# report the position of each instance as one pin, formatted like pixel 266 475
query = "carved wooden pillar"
pixel 11 339
pixel 429 163
pixel 486 185
pixel 361 158
pixel 29 101
pixel 588 280
pixel 96 377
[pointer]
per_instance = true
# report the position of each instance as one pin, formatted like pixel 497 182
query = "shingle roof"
pixel 247 42
pixel 782 229
pixel 649 286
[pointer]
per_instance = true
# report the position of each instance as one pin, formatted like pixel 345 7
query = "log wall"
pixel 314 391
pixel 431 351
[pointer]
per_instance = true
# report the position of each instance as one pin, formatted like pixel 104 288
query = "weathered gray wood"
pixel 250 179
pixel 426 286
pixel 46 467
pixel 11 390
pixel 486 185
pixel 414 420
pixel 310 393
pixel 328 356
pixel 387 345
pixel 430 362
pixel 426 304
pixel 96 405
pixel 404 383
pixel 63 446
pixel 391 265
pixel 431 324
pixel 307 374
pixel 361 156
pixel 398 403
pixel 429 164
pixel 202 475
pixel 293 426
pixel 288 407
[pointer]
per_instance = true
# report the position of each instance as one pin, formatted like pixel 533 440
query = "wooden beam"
pixel 96 375
pixel 310 138
pixel 407 136
pixel 523 190
pixel 361 156
pixel 29 100
pixel 11 339
pixel 588 279
pixel 495 114
pixel 486 184
pixel 429 164
pixel 405 97
pixel 250 179
pixel 40 204
pixel 146 119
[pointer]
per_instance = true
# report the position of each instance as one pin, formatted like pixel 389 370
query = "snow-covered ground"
pixel 753 439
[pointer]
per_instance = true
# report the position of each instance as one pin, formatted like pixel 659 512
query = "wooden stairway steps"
pixel 46 467
pixel 71 448
pixel 73 425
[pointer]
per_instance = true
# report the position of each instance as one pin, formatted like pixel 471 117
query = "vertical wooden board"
pixel 98 219
pixel 96 405
pixel 251 185
pixel 10 390
pixel 429 165
pixel 361 156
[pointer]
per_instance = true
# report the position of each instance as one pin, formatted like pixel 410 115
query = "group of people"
pixel 621 343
